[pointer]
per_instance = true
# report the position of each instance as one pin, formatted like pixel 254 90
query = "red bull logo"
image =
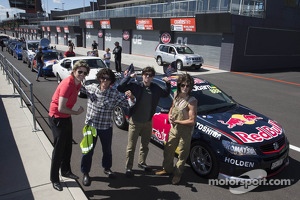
pixel 240 120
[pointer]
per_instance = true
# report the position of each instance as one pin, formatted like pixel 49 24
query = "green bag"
pixel 87 141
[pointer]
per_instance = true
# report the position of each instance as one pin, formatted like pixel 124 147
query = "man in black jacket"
pixel 118 55
pixel 140 115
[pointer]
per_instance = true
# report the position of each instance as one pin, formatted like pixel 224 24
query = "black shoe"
pixel 109 173
pixel 129 173
pixel 144 167
pixel 57 186
pixel 70 175
pixel 86 181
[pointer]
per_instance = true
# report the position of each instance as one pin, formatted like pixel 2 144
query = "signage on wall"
pixel 66 29
pixel 183 24
pixel 165 38
pixel 100 33
pixel 89 24
pixel 105 24
pixel 58 29
pixel 48 28
pixel 144 24
pixel 43 28
pixel 126 35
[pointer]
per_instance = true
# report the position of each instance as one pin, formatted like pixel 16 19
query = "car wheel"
pixel 203 160
pixel 198 67
pixel 119 118
pixel 179 65
pixel 159 61
pixel 58 78
pixel 28 64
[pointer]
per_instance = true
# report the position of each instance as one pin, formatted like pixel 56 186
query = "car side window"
pixel 164 48
pixel 66 64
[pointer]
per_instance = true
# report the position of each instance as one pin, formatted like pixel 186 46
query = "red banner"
pixel 89 24
pixel 183 24
pixel 105 24
pixel 144 24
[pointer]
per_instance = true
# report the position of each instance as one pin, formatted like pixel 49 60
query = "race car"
pixel 229 139
pixel 50 58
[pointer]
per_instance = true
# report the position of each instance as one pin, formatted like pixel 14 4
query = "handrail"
pixel 17 78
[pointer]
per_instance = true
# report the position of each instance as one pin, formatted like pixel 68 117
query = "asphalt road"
pixel 261 91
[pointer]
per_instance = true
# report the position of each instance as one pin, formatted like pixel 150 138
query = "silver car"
pixel 181 55
pixel 29 48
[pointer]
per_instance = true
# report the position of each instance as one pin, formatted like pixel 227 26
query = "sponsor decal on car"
pixel 240 120
pixel 264 133
pixel 240 163
pixel 209 131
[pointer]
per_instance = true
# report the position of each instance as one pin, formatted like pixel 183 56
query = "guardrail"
pixel 20 82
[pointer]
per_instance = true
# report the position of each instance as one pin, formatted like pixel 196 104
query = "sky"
pixel 46 5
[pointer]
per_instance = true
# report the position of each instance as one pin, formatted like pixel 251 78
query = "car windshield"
pixel 50 55
pixel 33 45
pixel 93 63
pixel 210 99
pixel 184 50
pixel 19 46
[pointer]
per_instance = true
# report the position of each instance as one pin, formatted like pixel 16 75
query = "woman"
pixel 182 117
pixel 60 111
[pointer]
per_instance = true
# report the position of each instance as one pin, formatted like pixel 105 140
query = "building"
pixel 234 35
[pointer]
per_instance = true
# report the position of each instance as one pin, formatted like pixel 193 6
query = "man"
pixel 147 95
pixel 94 45
pixel 118 52
pixel 70 52
pixel 39 62
pixel 60 111
pixel 102 99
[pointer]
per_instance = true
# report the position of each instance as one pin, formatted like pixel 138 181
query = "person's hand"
pixel 129 94
pixel 166 79
pixel 80 110
pixel 133 75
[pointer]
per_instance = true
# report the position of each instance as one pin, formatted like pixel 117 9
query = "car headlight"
pixel 238 149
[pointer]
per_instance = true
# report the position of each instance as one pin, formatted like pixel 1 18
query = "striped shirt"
pixel 100 105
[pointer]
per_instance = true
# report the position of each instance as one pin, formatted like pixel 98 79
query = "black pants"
pixel 118 65
pixel 61 156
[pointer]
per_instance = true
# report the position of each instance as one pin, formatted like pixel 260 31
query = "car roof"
pixel 174 45
pixel 83 57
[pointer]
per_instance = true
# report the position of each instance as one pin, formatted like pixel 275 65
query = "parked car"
pixel 29 48
pixel 229 139
pixel 182 55
pixel 64 67
pixel 17 51
pixel 50 58
pixel 11 46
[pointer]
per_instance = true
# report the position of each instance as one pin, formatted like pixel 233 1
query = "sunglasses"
pixel 184 85
pixel 80 72
pixel 105 78
pixel 148 75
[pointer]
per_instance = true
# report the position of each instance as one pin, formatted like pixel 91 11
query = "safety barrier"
pixel 20 83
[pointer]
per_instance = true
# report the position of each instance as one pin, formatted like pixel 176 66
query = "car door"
pixel 170 55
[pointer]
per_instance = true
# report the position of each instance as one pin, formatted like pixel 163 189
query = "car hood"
pixel 92 74
pixel 242 125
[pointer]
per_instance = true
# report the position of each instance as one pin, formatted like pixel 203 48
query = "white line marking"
pixel 294 148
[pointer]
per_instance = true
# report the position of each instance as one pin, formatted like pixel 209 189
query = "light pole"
pixel 62 6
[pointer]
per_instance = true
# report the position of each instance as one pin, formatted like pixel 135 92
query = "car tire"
pixel 58 79
pixel 28 64
pixel 203 160
pixel 198 67
pixel 119 118
pixel 159 61
pixel 179 65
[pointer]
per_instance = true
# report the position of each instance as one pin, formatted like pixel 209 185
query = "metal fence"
pixel 20 85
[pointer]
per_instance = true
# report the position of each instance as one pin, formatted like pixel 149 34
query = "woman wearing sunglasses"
pixel 60 111
pixel 182 116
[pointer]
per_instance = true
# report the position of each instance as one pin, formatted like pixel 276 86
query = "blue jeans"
pixel 106 141
pixel 40 69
